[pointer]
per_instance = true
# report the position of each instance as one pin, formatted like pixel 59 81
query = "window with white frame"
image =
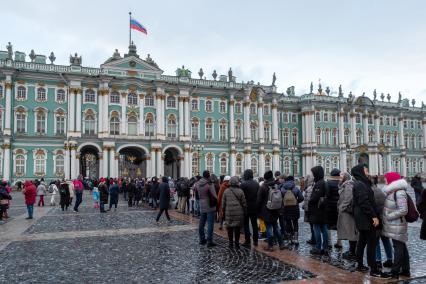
pixel 222 131
pixel 40 122
pixel 346 136
pixel 195 164
pixel 421 167
pixel 210 163
pixel 327 166
pixel 223 166
pixel 394 121
pixel 370 136
pixel 195 124
pixel 237 108
pixel 89 96
pixel 171 127
pixel 40 163
pixel 149 125
pixel 209 106
pixel 253 132
pixel 388 138
pixel 370 120
pixel 358 137
pixel 325 116
pixel 238 131
pixel 41 95
pixel 294 137
pixel 285 117
pixel 239 165
pixel 209 129
pixel 318 136
pixel 267 132
pixel 60 124
pixel 317 116
pixel 114 124
pixel 326 136
pixel 194 105
pixel 286 166
pixel 60 95
pixel 334 136
pixel 254 166
pixel 346 118
pixel 333 117
pixel 265 110
pixel 382 137
pixel 294 118
pixel 21 122
pixel 114 97
pixel 335 163
pixel 20 165
pixel 222 107
pixel 253 109
pixel 132 125
pixel 89 123
pixel 395 139
pixel 21 93
pixel 420 141
pixel 132 99
pixel 171 102
pixel 149 100
pixel 59 164
pixel 388 121
pixel 296 167
pixel 406 140
pixel 285 134
pixel 268 163
pixel 358 118
pixel 413 142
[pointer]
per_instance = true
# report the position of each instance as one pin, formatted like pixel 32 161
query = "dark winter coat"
pixel 203 187
pixel 422 210
pixel 269 216
pixel 164 195
pixel 113 194
pixel 364 204
pixel 103 193
pixel 417 185
pixel 331 203
pixel 154 190
pixel 250 188
pixel 131 188
pixel 292 212
pixel 234 206
pixel 316 207
pixel 64 194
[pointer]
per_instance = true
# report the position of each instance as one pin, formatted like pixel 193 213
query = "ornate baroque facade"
pixel 128 119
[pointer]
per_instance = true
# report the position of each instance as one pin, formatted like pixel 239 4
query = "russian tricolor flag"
pixel 137 26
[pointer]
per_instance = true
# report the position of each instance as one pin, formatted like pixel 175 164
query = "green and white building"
pixel 126 118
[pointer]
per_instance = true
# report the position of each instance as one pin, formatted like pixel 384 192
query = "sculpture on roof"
pixel 52 57
pixel 319 87
pixel 374 95
pixel 182 72
pixel 32 55
pixel 327 90
pixel 399 97
pixel 9 51
pixel 201 73
pixel 150 61
pixel 230 76
pixel 382 96
pixel 388 97
pixel 340 91
pixel 75 60
pixel 311 88
pixel 116 55
pixel 423 105
pixel 413 102
pixel 274 79
pixel 214 75
pixel 350 97
pixel 290 91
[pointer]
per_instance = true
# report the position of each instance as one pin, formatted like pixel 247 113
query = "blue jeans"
pixel 209 218
pixel 387 246
pixel 78 199
pixel 321 229
pixel 271 232
pixel 197 207
pixel 30 209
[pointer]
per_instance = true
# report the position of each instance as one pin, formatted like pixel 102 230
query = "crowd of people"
pixel 268 208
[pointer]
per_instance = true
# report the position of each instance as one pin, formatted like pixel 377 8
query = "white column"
pixel 377 128
pixel 388 162
pixel 186 162
pixel 71 112
pixel 342 132
pixel 78 111
pixel 148 166
pixel 365 128
pixel 232 163
pixel 6 160
pixel 159 162
pixel 187 131
pixel 153 164
pixel 274 122
pixel 101 164
pixel 106 110
pixel 101 112
pixel 181 118
pixel 380 165
pixel 73 161
pixel 343 160
pixel 123 123
pixel 401 133
pixel 105 159
pixel 77 165
pixel 67 161
pixel 231 121
pixel 246 108
pixel 305 129
pixel 112 172
pixel 160 118
pixel 261 163
pixel 312 123
pixel 260 120
pixel 141 115
pixel 247 159
pixel 275 160
pixel 8 108
pixel 403 171
pixel 353 128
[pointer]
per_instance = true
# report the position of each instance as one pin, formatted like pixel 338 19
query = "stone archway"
pixel 89 161
pixel 132 162
pixel 172 163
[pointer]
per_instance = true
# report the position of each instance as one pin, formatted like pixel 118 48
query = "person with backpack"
pixel 250 187
pixel 182 188
pixel 53 190
pixel 331 212
pixel 269 203
pixel 233 208
pixel 309 184
pixel 223 186
pixel 317 215
pixel 292 196
pixel 4 199
pixel 41 192
pixel 78 189
pixel 395 224
pixel 64 195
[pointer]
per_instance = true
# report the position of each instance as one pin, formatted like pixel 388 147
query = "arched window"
pixel 195 126
pixel 293 118
pixel 333 117
pixel 319 161
pixel 209 106
pixel 327 166
pixel 89 123
pixel 222 107
pixel 209 163
pixel 223 166
pixel 171 126
pixel 359 137
pixel 223 131
pixel 132 99
pixel 382 136
pixel 22 93
pixel 114 97
pixel 238 131
pixel 335 163
pixel 60 95
pixel 194 105
pixel 268 163
pixel 21 121
pixel 252 109
pixel 253 132
pixel 59 164
pixel 334 136
pixel 370 136
pixel 40 163
pixel 267 132
pixel 171 102
pixel 285 117
pixel 149 100
pixel 41 94
pixel 395 139
pixel 40 122
pixel 89 96
pixel 286 166
pixel 346 136
pixel 265 110
pixel 317 116
pixel 114 124
pixel 285 137
pixel 149 125
pixel 388 138
pixel 60 122
pixel 209 129
pixel 326 135
pixel 195 164
pixel 294 137
pixel 413 141
pixel 325 116
pixel 132 125
pixel 20 165
pixel 237 108
pixel 254 166
pixel 406 140
pixel 239 165
pixel 318 136
pixel 421 168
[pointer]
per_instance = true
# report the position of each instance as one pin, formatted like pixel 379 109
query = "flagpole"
pixel 130 28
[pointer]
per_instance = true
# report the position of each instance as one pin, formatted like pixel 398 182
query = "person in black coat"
pixel 366 219
pixel 417 185
pixel 250 187
pixel 131 190
pixel 164 198
pixel 103 196
pixel 317 213
pixel 64 195
pixel 292 211
pixel 421 207
pixel 154 192
pixel 332 197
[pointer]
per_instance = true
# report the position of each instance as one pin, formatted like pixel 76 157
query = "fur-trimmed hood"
pixel 394 186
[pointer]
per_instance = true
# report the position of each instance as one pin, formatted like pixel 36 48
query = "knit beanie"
pixel 392 176
pixel 268 175
pixel 206 174
pixel 335 173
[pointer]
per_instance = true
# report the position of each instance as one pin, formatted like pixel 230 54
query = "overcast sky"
pixel 363 44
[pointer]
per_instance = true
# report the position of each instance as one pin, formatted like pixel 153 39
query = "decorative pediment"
pixel 133 66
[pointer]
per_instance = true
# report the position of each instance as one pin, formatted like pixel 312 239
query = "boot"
pixel 296 238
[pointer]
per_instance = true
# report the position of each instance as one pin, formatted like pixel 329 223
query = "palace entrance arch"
pixel 89 162
pixel 132 162
pixel 172 163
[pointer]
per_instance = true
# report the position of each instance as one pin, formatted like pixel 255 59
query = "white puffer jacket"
pixel 394 224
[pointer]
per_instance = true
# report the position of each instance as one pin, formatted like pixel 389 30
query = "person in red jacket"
pixel 30 193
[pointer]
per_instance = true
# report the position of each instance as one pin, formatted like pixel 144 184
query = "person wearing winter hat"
pixel 394 224
pixel 223 186
pixel 30 193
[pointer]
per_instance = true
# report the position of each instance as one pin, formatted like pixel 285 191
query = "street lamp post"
pixel 199 148
pixel 292 149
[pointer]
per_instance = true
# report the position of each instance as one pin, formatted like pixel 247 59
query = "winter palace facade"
pixel 127 118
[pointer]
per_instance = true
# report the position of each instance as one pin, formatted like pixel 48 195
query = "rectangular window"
pixel 41 123
pixel 20 123
pixel 222 133
pixel 294 118
pixel 60 125
pixel 238 132
pixel 194 131
pixel 209 131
